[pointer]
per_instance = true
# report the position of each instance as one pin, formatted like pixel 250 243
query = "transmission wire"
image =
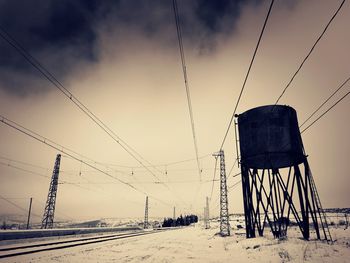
pixel 324 113
pixel 309 53
pixel 49 76
pixel 184 69
pixel 43 140
pixel 248 72
pixel 340 87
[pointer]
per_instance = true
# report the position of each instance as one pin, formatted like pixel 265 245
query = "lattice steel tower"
pixel 206 215
pixel 174 217
pixel 224 215
pixel 49 212
pixel 145 224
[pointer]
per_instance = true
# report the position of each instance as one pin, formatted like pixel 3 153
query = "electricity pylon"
pixel 224 215
pixel 207 222
pixel 145 224
pixel 49 212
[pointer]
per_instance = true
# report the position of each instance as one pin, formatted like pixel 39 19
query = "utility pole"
pixel 174 217
pixel 49 212
pixel 30 209
pixel 346 221
pixel 207 222
pixel 145 224
pixel 224 215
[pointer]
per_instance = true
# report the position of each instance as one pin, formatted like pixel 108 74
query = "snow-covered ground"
pixel 195 244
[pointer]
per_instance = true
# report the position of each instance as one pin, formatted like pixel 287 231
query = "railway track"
pixel 48 246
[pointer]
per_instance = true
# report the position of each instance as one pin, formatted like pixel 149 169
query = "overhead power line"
pixel 56 83
pixel 233 186
pixel 43 175
pixel 212 186
pixel 236 160
pixel 324 113
pixel 58 212
pixel 184 69
pixel 43 140
pixel 304 60
pixel 309 53
pixel 247 75
pixel 158 165
pixel 24 170
pixel 17 206
pixel 24 163
pixel 147 182
pixel 229 189
pixel 339 88
pixel 76 184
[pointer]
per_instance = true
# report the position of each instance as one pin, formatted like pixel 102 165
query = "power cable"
pixel 19 207
pixel 58 212
pixel 158 165
pixel 212 186
pixel 24 163
pixel 246 77
pixel 42 175
pixel 235 184
pixel 339 88
pixel 324 113
pixel 39 138
pixel 304 60
pixel 150 182
pixel 51 78
pixel 184 69
pixel 232 167
pixel 311 50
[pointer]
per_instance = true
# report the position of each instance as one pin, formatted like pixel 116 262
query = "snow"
pixel 196 244
pixel 35 233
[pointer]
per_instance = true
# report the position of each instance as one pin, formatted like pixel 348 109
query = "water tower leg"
pixel 247 203
pixel 303 206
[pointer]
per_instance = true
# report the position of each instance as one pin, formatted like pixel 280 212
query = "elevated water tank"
pixel 269 137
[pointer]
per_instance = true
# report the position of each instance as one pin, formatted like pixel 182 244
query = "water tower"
pixel 278 187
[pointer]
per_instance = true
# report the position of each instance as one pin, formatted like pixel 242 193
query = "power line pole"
pixel 30 209
pixel 174 217
pixel 224 215
pixel 207 222
pixel 145 224
pixel 49 212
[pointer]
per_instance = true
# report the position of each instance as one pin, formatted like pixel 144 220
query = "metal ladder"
pixel 322 214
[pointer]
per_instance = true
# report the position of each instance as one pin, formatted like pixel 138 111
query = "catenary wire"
pixel 39 138
pixel 315 111
pixel 15 205
pixel 184 69
pixel 247 75
pixel 49 76
pixel 324 113
pixel 309 53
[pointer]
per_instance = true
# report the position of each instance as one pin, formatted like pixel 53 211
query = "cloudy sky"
pixel 121 59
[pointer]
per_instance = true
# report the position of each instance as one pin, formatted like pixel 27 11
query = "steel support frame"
pixel 268 199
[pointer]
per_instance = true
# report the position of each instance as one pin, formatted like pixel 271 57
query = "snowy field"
pixel 195 244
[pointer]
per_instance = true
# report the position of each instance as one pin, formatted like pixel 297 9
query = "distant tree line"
pixel 180 221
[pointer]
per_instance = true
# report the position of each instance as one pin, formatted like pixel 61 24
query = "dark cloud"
pixel 212 13
pixel 62 34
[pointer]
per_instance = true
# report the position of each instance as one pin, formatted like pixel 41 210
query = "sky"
pixel 121 59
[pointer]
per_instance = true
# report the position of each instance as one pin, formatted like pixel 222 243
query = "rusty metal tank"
pixel 269 137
